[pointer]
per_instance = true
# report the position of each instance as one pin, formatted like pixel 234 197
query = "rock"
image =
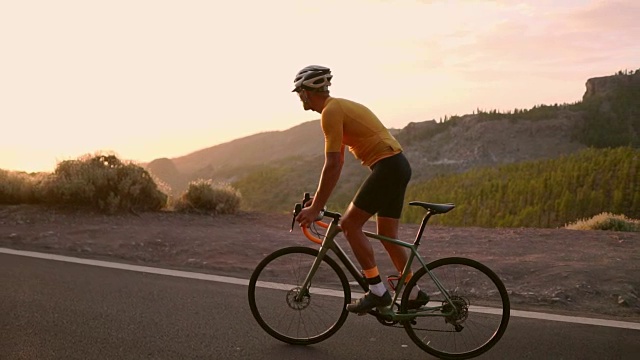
pixel 623 301
pixel 556 300
pixel 627 300
pixel 605 85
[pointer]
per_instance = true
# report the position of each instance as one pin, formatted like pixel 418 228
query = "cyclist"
pixel 347 123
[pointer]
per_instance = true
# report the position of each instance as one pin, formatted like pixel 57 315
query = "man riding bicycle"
pixel 347 123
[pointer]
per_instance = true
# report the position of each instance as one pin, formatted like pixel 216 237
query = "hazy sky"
pixel 163 78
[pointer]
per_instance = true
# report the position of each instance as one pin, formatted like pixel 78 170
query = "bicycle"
pixel 316 291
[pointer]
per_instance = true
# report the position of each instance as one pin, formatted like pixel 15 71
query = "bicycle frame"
pixel 329 243
pixel 308 274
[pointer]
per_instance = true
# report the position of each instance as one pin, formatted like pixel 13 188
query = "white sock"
pixel 378 289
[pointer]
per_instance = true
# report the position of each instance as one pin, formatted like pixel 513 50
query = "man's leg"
pixel 389 227
pixel 352 223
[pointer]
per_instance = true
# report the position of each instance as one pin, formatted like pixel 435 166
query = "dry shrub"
pixel 205 196
pixel 17 187
pixel 606 221
pixel 104 183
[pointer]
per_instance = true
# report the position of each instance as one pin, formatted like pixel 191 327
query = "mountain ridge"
pixel 433 148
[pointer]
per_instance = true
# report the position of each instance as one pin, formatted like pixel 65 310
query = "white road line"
pixel 146 269
pixel 238 281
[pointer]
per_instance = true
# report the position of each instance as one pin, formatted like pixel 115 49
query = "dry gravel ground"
pixel 581 273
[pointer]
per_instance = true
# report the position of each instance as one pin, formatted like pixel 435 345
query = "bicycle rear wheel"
pixel 481 313
pixel 314 317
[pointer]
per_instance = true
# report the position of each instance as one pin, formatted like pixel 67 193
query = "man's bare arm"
pixel 331 170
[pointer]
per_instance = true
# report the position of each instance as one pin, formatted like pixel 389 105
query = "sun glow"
pixel 163 79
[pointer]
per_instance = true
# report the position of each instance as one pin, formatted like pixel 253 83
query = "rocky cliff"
pixel 605 85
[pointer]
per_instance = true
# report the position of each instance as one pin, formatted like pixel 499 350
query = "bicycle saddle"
pixel 434 208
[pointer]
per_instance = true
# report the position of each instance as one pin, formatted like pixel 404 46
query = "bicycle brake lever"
pixel 296 211
pixel 298 208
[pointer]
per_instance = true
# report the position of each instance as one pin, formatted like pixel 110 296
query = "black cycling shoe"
pixel 421 300
pixel 368 302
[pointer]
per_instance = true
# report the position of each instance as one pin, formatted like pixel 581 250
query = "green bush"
pixel 606 221
pixel 103 182
pixel 204 195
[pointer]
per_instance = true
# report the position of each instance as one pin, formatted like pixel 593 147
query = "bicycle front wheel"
pixel 472 323
pixel 283 312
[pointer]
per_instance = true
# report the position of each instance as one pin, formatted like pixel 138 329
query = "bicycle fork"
pixel 327 243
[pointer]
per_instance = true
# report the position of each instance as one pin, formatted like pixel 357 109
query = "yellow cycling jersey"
pixel 346 122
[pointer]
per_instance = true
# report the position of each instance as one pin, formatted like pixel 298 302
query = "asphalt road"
pixel 59 310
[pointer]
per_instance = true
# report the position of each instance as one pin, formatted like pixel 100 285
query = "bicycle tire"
pixel 482 301
pixel 312 320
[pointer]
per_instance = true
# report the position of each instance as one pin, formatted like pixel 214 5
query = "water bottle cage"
pixel 393 281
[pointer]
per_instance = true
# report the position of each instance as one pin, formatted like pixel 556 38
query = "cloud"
pixel 608 16
pixel 548 42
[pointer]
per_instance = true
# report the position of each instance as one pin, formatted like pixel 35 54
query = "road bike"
pixel 298 294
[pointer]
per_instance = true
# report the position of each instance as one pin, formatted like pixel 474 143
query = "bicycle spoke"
pixel 274 296
pixel 465 332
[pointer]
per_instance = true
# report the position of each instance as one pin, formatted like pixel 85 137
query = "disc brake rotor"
pixel 297 302
pixel 461 311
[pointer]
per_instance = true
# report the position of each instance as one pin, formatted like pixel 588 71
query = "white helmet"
pixel 313 77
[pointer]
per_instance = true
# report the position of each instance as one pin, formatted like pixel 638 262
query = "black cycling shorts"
pixel 383 191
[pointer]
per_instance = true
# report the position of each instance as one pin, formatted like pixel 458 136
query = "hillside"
pixel 544 193
pixel 433 148
pixel 291 160
pixel 469 141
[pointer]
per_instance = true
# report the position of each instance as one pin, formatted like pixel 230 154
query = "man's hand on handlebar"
pixel 308 216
